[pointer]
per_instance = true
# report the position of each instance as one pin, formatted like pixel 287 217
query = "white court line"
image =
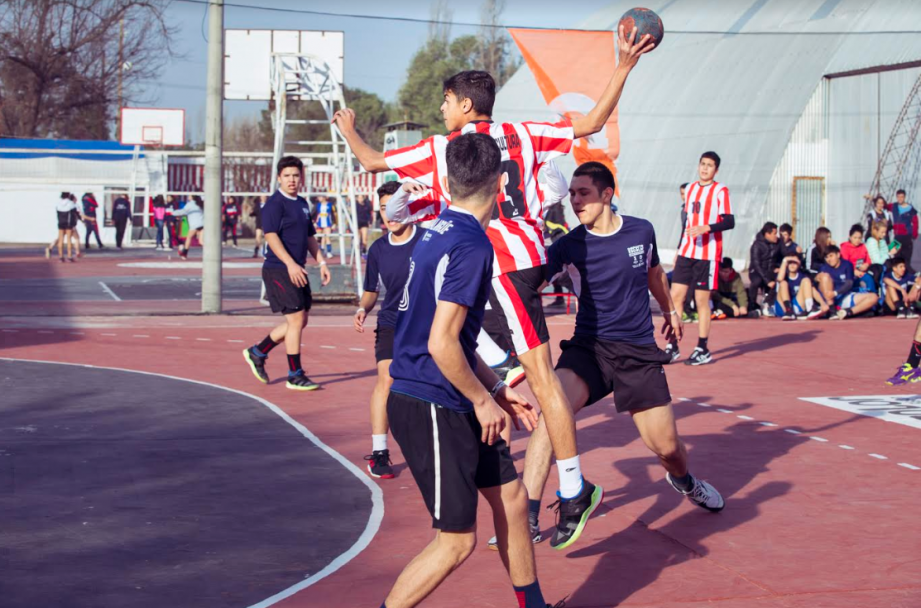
pixel 108 334
pixel 240 341
pixel 721 410
pixel 819 439
pixel 140 336
pixel 684 399
pixel 173 338
pixel 846 447
pixel 325 346
pixel 377 496
pixel 704 405
pixel 910 467
pixel 106 289
pixel 767 424
pixel 78 333
pixel 203 339
pixel 744 417
pixel 878 456
pixel 45 331
pixel 11 331
pixel 360 350
pixel 793 431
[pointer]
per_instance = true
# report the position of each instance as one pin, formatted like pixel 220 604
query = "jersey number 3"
pixel 512 203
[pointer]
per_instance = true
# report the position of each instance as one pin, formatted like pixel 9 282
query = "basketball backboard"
pixel 248 57
pixel 152 127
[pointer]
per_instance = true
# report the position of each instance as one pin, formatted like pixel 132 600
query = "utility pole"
pixel 121 71
pixel 214 119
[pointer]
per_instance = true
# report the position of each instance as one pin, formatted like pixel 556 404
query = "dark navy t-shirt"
pixel 610 277
pixel 795 282
pixel 388 265
pixel 904 282
pixel 290 219
pixel 452 262
pixel 840 275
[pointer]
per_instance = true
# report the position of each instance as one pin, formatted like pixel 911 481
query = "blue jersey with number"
pixel 388 266
pixel 452 262
pixel 610 277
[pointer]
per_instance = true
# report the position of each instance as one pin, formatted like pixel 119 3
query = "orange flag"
pixel 572 70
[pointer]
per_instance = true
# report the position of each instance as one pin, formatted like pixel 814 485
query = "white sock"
pixel 489 351
pixel 570 476
pixel 378 442
pixel 809 304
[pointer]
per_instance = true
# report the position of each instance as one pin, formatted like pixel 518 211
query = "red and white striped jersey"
pixel 704 205
pixel 515 230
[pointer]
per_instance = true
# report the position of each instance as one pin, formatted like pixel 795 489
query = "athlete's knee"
pixel 458 546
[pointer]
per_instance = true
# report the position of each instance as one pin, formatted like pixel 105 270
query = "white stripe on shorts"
pixel 507 308
pixel 437 449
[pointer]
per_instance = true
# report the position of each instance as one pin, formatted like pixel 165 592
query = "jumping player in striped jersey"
pixel 709 214
pixel 516 235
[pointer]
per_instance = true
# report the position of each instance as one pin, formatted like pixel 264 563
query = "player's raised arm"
pixel 629 54
pixel 371 159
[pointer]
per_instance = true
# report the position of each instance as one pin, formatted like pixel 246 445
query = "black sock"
pixel 684 483
pixel 702 343
pixel 266 345
pixel 533 510
pixel 788 308
pixel 914 355
pixel 848 313
pixel 294 363
pixel 529 596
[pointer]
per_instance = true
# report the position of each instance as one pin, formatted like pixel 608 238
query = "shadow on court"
pixel 122 489
pixel 52 290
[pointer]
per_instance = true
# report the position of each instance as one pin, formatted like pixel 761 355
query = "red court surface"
pixel 821 503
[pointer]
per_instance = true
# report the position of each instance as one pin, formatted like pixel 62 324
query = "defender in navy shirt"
pixel 289 233
pixel 614 264
pixel 441 409
pixel 795 295
pixel 388 267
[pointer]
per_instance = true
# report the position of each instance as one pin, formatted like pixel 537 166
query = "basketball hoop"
pixel 152 127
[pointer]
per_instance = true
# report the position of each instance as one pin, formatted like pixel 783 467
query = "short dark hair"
pixel 786 228
pixel 601 176
pixel 768 227
pixel 683 186
pixel 856 228
pixel 289 161
pixel 897 260
pixel 474 163
pixel 65 195
pixel 899 191
pixel 832 249
pixel 712 156
pixel 475 85
pixel 726 263
pixel 388 189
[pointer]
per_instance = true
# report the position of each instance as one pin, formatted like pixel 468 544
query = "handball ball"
pixel 646 22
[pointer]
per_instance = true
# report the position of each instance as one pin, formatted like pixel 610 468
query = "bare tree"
pixel 440 27
pixel 60 62
pixel 494 46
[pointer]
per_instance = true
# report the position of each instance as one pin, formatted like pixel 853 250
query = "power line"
pixel 300 11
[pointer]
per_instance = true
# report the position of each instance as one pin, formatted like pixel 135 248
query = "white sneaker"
pixel 701 494
pixel 672 351
pixel 767 311
pixel 910 314
pixel 699 357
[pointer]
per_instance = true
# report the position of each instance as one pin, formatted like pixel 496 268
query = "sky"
pixel 377 53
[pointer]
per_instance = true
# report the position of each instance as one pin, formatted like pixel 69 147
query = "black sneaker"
pixel 299 381
pixel 510 371
pixel 699 357
pixel 572 515
pixel 257 364
pixel 672 351
pixel 379 464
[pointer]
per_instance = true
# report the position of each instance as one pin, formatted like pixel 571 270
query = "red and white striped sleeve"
pixel 407 208
pixel 550 139
pixel 722 202
pixel 417 162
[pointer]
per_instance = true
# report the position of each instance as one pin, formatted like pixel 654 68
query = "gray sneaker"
pixel 701 494
pixel 536 537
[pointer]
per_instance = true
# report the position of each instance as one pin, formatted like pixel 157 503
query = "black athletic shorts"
pixel 64 220
pixel 447 459
pixel 633 372
pixel 283 295
pixel 700 274
pixel 362 224
pixel 383 342
pixel 516 295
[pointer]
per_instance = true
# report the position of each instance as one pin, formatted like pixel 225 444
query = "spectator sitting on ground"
pixel 730 299
pixel 836 284
pixel 795 295
pixel 762 273
pixel 787 246
pixel 880 253
pixel 815 255
pixel 879 213
pixel 898 283
pixel 855 252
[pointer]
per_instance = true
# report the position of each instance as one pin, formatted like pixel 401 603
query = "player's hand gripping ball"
pixel 646 22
